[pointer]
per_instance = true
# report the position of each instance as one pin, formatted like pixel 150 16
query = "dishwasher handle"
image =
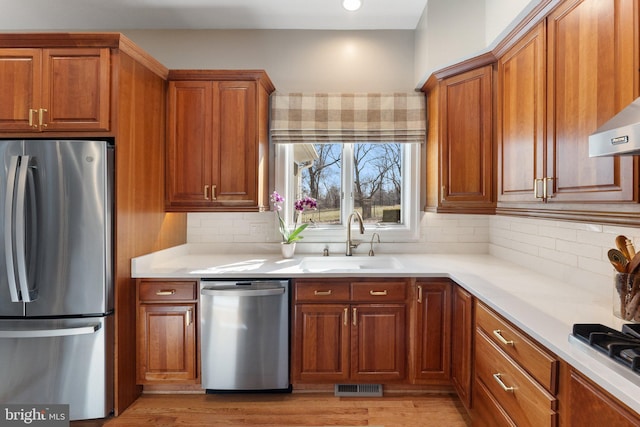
pixel 242 292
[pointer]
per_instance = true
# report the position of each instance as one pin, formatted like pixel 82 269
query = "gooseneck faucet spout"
pixel 350 244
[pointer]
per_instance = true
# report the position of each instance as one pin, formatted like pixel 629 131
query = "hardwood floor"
pixel 297 409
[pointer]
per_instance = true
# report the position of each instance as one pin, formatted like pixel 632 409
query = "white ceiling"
pixel 96 15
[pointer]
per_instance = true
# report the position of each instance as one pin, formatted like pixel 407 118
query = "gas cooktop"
pixel 622 346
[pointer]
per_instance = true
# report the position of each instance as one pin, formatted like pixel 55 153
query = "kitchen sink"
pixel 343 263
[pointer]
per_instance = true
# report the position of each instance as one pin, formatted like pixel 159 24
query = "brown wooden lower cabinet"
pixel 349 330
pixel 584 403
pixel 462 344
pixel 320 350
pixel 487 412
pixel 432 338
pixel 512 372
pixel 166 332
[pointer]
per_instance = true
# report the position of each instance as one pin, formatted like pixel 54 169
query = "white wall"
pixel 452 30
pixel 448 31
pixel 501 14
pixel 311 61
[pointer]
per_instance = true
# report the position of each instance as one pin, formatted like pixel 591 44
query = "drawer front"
pixel 487 412
pixel 168 291
pixel 379 291
pixel 521 397
pixel 537 362
pixel 321 291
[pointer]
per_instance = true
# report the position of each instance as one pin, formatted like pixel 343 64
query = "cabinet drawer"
pixel 525 401
pixel 486 410
pixel 321 291
pixel 168 291
pixel 537 362
pixel 378 291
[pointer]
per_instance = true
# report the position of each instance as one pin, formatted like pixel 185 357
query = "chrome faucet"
pixel 350 244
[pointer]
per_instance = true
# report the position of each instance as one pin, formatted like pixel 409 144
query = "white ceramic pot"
pixel 288 249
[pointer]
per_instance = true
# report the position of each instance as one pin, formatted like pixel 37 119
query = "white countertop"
pixel 543 307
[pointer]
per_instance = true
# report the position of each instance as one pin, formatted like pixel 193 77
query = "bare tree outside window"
pixel 376 171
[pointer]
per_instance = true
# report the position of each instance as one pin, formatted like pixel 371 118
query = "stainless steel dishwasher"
pixel 244 335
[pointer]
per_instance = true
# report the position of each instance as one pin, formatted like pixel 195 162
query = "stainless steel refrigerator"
pixel 56 290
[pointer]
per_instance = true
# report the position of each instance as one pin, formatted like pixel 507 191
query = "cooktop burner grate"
pixel 622 346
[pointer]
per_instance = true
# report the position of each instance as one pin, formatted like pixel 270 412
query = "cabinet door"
pixel 461 344
pixel 432 339
pixel 190 143
pixel 235 174
pixel 76 89
pixel 378 342
pixel 166 342
pixel 466 141
pixel 521 118
pixel 590 406
pixel 592 72
pixel 20 88
pixel 321 343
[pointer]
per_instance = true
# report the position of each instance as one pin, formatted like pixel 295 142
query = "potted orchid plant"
pixel 290 237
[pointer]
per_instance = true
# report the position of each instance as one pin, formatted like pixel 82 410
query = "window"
pixel 378 180
pixel 352 152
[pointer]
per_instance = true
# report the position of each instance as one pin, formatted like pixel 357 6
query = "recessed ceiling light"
pixel 351 5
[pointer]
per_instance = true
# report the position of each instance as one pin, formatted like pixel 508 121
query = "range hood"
pixel 618 136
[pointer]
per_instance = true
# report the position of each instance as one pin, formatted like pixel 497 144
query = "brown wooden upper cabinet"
pixel 459 142
pixel 557 85
pixel 217 142
pixel 54 89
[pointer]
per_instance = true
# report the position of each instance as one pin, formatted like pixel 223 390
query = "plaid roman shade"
pixel 347 117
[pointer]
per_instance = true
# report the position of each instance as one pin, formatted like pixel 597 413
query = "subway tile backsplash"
pixel 571 251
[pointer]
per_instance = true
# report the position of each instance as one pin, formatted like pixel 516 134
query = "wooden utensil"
pixel 621 244
pixel 618 260
pixel 634 264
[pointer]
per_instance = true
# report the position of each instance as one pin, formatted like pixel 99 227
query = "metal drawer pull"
pixel 188 317
pixel 378 293
pixel 498 379
pixel 213 192
pixel 31 113
pixel 322 293
pixel 165 292
pixel 355 316
pixel 420 294
pixel 346 315
pixel 498 334
pixel 206 192
pixel 41 117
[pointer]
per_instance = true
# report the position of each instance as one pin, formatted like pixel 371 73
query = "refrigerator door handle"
pixel 20 230
pixel 9 229
pixel 52 332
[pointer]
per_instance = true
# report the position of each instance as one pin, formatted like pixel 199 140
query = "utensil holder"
pixel 626 296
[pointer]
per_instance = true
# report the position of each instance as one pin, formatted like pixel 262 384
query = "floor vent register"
pixel 358 390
